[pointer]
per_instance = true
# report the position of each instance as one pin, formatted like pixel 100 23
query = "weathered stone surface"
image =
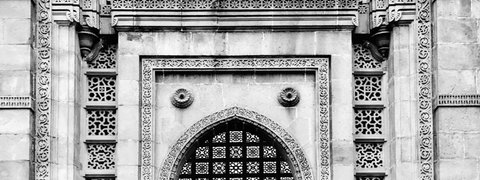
pixel 15 121
pixel 472 146
pixel 458 56
pixel 15 147
pixel 461 119
pixel 457 31
pixel 457 81
pixel 15 9
pixel 15 57
pixel 14 170
pixel 458 170
pixel 451 145
pixel 450 8
pixel 128 122
pixel 19 31
pixel 15 83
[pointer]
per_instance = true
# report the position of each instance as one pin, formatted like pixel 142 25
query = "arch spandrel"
pixel 294 152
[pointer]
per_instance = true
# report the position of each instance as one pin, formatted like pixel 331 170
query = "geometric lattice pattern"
pixel 368 121
pixel 236 4
pixel 106 59
pixel 236 153
pixel 368 88
pixel 101 156
pixel 101 89
pixel 369 155
pixel 363 59
pixel 101 122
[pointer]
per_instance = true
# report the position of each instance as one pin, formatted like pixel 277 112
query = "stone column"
pixel 402 104
pixel 66 88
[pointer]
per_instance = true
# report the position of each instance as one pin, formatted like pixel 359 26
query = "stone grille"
pixel 106 58
pixel 101 122
pixel 369 129
pixel 369 155
pixel 368 121
pixel 101 88
pixel 101 156
pixel 368 88
pixel 236 157
pixel 363 59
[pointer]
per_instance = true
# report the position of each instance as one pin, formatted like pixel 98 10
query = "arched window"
pixel 235 150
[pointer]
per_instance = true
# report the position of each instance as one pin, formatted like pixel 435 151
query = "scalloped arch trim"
pixel 293 149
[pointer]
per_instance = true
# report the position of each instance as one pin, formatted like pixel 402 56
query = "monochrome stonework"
pixel 349 90
pixel 149 65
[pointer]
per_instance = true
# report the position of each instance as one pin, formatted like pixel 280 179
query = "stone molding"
pixel 16 102
pixel 43 90
pixel 149 65
pixel 452 100
pixel 425 97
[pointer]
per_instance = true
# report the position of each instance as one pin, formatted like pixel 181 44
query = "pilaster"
pixel 66 62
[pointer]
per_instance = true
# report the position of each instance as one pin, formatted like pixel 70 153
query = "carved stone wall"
pixel 177 54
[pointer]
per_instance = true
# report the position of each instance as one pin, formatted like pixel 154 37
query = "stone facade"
pixel 87 86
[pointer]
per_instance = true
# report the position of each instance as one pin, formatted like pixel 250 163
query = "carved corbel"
pixel 90 43
pixel 73 15
pixel 379 43
pixel 92 20
pixel 394 15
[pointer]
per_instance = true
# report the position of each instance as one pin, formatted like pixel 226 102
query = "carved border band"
pixel 458 100
pixel 234 4
pixel 43 89
pixel 424 75
pixel 16 102
pixel 320 65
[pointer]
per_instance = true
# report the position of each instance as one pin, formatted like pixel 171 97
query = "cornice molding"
pixel 458 100
pixel 16 102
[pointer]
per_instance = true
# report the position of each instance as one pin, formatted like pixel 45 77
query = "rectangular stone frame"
pixel 319 64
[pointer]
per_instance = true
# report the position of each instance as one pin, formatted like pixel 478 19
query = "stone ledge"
pixel 451 100
pixel 16 102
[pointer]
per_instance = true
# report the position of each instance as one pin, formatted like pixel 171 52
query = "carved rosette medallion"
pixel 289 97
pixel 182 98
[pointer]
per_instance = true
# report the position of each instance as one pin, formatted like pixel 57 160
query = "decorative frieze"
pixel 458 100
pixel 425 95
pixel 16 102
pixel 234 4
pixel 43 90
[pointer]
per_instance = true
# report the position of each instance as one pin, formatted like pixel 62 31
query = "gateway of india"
pixel 240 89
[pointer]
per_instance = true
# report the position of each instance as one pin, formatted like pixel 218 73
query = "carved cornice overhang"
pixel 91 13
pixel 233 14
pixel 375 19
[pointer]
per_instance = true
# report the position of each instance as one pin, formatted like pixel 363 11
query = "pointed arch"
pixel 300 165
